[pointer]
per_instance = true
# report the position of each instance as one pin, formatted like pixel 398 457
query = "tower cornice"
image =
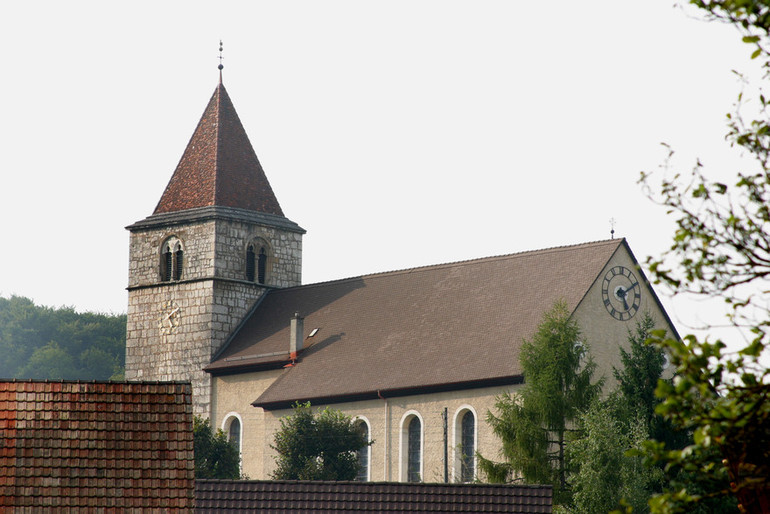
pixel 201 214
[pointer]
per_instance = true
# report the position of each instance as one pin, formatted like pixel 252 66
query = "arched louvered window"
pixel 251 263
pixel 171 259
pixel 166 264
pixel 467 446
pixel 414 450
pixel 262 265
pixel 362 454
pixel 178 262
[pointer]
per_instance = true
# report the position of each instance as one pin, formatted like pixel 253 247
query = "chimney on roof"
pixel 296 334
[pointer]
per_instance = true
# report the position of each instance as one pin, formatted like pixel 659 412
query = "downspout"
pixel 446 446
pixel 386 463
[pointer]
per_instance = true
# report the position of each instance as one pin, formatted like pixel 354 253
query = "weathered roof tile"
pixel 219 166
pixel 214 496
pixel 451 325
pixel 81 445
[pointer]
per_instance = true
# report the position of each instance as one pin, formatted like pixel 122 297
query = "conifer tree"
pixel 604 472
pixel 534 423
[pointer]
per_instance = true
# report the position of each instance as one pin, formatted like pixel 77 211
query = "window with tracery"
pixel 171 260
pixel 257 255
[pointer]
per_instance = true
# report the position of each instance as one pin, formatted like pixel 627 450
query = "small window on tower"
pixel 251 264
pixel 258 261
pixel 262 265
pixel 178 262
pixel 166 264
pixel 171 259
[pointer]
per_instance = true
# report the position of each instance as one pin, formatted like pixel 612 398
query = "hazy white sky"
pixel 398 133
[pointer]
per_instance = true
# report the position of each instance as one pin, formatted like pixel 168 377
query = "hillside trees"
pixel 319 446
pixel 535 423
pixel 721 248
pixel 58 343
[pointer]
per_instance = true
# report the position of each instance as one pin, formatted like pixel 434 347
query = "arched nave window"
pixel 411 447
pixel 364 455
pixel 465 444
pixel 233 427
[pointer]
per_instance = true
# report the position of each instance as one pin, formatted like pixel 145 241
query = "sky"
pixel 397 133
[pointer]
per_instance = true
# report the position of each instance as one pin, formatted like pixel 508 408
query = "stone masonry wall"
pixel 174 328
pixel 284 256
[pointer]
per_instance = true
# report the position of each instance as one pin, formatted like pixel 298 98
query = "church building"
pixel 416 356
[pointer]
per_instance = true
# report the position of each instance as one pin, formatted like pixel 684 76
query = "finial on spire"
pixel 612 228
pixel 220 61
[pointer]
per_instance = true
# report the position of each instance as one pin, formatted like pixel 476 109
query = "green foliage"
pixel 606 473
pixel 317 447
pixel 46 343
pixel 534 425
pixel 215 456
pixel 721 248
pixel 642 367
pixel 606 476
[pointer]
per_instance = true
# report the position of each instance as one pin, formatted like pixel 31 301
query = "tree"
pixel 605 474
pixel 721 248
pixel 317 447
pixel 534 424
pixel 47 343
pixel 215 456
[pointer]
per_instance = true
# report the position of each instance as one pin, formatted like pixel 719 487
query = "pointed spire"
pixel 221 66
pixel 219 166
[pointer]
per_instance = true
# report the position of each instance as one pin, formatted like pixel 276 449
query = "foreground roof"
pixel 219 496
pixel 219 166
pixel 73 446
pixel 435 328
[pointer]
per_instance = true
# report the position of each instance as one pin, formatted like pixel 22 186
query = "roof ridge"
pixel 463 262
pixel 78 381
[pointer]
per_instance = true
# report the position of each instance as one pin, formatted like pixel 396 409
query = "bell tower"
pixel 216 242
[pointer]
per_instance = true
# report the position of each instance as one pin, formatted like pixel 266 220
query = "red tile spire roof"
pixel 219 166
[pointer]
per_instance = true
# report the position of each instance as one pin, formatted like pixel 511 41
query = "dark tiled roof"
pixel 86 446
pixel 219 496
pixel 453 326
pixel 219 166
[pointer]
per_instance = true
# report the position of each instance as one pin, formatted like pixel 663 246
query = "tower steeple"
pixel 216 242
pixel 219 166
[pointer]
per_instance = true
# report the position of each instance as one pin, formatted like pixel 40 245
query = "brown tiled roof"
pixel 91 446
pixel 219 166
pixel 219 496
pixel 447 326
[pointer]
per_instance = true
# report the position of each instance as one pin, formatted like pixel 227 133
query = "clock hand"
pixel 621 295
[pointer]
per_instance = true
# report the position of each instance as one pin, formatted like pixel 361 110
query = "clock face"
pixel 170 317
pixel 621 293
